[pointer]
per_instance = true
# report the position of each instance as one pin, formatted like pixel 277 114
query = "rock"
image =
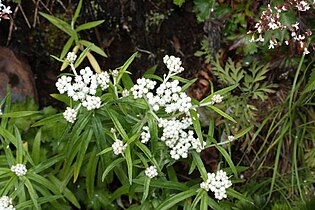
pixel 18 75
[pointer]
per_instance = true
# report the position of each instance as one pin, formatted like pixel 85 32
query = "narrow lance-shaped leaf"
pixel 91 171
pixel 173 200
pixel 89 25
pixel 67 47
pixel 62 25
pixel 82 153
pixel 129 163
pixel 94 48
pixel 111 166
pixel 76 14
pixel 36 147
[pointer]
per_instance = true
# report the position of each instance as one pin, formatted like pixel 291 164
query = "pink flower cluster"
pixel 270 21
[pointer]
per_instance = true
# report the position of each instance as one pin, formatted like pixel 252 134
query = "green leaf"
pixel 61 97
pixel 213 204
pixel 146 189
pixel 179 2
pixel 49 120
pixel 48 163
pixel 223 114
pixel 243 132
pixel 227 158
pixel 89 25
pixel 129 163
pixel 172 185
pixel 81 153
pixel 82 56
pixel 235 194
pixel 94 48
pixel 36 147
pixel 202 9
pixel 173 200
pixel 62 25
pixel 20 114
pixel 8 136
pixel 76 14
pixel 200 165
pixel 108 149
pixel 124 68
pixel 90 174
pixel 19 147
pixel 204 200
pixel 31 191
pixel 66 192
pixel 67 47
pixel 196 123
pixel 116 122
pixel 127 81
pixel 111 166
pixel 42 200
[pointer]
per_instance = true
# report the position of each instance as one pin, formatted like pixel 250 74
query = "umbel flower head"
pixel 19 169
pixel 119 147
pixel 6 203
pixel 151 172
pixel 217 183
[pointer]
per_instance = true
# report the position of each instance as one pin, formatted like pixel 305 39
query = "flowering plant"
pixel 137 132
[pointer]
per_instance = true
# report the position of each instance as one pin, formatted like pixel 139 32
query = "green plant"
pixel 252 86
pixel 72 30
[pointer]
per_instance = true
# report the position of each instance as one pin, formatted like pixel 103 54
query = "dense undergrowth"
pixel 238 136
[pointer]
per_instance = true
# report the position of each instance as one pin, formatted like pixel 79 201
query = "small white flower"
pixel 173 64
pixel 6 203
pixel 145 135
pixel 71 57
pixel 125 93
pixel 305 51
pixel 119 147
pixel 217 183
pixel 115 73
pixel 151 172
pixel 216 98
pixel 70 114
pixel 231 138
pixel 19 169
pixel 113 130
pixel 103 79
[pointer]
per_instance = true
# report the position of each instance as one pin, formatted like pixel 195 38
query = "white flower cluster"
pixel 4 11
pixel 84 87
pixel 145 135
pixel 177 139
pixel 70 114
pixel 167 95
pixel 19 169
pixel 142 87
pixel 216 99
pixel 71 57
pixel 119 147
pixel 125 93
pixel 231 138
pixel 151 172
pixel 173 64
pixel 217 183
pixel 6 203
